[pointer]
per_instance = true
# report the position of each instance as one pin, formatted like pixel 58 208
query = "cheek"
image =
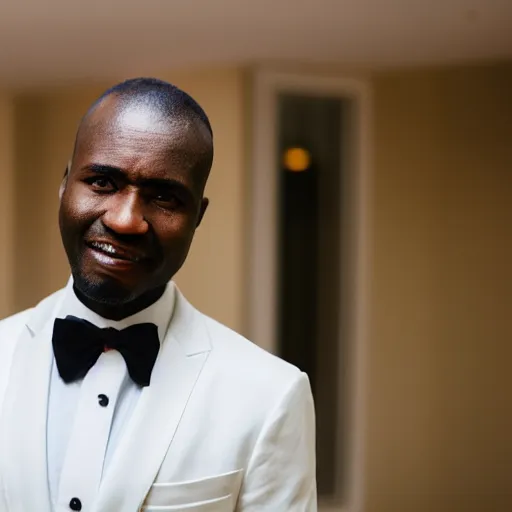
pixel 76 209
pixel 176 231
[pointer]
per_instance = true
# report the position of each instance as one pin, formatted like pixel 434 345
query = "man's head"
pixel 132 196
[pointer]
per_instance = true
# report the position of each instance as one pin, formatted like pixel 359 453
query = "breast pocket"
pixel 216 493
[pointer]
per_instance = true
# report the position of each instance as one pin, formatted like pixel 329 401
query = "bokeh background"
pixel 434 404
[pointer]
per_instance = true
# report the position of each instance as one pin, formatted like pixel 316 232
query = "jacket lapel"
pixel 150 431
pixel 23 434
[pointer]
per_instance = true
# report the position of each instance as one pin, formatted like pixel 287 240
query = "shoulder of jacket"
pixel 15 321
pixel 18 320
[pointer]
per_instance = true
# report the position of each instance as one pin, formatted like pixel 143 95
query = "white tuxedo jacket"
pixel 224 425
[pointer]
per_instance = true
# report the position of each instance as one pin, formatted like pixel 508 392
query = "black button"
pixel 75 504
pixel 103 400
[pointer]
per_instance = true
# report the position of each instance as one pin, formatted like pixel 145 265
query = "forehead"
pixel 136 136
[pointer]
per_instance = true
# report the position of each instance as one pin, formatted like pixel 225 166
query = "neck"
pixel 118 312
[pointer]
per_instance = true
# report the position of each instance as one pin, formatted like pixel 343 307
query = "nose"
pixel 125 215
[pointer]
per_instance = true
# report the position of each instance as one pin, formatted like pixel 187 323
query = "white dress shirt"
pixel 86 417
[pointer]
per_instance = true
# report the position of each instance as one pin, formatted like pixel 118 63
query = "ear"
pixel 64 182
pixel 204 204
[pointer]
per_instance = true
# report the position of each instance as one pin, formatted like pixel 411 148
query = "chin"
pixel 104 290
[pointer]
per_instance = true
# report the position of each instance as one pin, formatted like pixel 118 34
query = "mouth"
pixel 112 252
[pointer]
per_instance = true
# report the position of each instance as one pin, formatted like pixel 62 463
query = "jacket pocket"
pixel 224 504
pixel 215 490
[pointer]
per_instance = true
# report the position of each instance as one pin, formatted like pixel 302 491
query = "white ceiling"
pixel 49 40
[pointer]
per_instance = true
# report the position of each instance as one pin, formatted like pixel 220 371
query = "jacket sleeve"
pixel 281 475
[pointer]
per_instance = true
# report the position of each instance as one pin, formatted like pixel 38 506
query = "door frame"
pixel 263 221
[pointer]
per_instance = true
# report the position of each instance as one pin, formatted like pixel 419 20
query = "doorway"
pixel 309 154
pixel 308 254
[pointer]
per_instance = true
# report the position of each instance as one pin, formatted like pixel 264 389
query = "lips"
pixel 116 251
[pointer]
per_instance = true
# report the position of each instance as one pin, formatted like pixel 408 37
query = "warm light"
pixel 296 159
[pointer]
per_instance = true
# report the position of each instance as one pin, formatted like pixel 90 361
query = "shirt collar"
pixel 159 313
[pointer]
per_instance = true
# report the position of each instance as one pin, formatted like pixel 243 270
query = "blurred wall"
pixel 439 385
pixel 45 128
pixel 6 203
pixel 438 406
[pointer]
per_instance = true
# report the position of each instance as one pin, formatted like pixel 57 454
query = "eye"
pixel 167 200
pixel 101 184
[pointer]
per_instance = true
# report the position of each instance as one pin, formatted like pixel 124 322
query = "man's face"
pixel 132 200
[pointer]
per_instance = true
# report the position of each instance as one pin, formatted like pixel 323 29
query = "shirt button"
pixel 75 504
pixel 103 400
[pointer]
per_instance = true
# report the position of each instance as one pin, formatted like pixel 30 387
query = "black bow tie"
pixel 77 344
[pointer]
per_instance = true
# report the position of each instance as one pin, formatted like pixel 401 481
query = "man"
pixel 115 393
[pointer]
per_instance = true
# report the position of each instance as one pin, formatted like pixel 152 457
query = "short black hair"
pixel 164 96
pixel 168 98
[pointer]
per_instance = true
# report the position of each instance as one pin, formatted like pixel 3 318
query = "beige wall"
pixel 6 203
pixel 439 407
pixel 439 393
pixel 46 123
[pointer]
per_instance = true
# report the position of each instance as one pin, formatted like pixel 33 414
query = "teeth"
pixel 109 249
pixel 105 247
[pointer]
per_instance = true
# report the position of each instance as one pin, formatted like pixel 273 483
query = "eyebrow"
pixel 117 172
